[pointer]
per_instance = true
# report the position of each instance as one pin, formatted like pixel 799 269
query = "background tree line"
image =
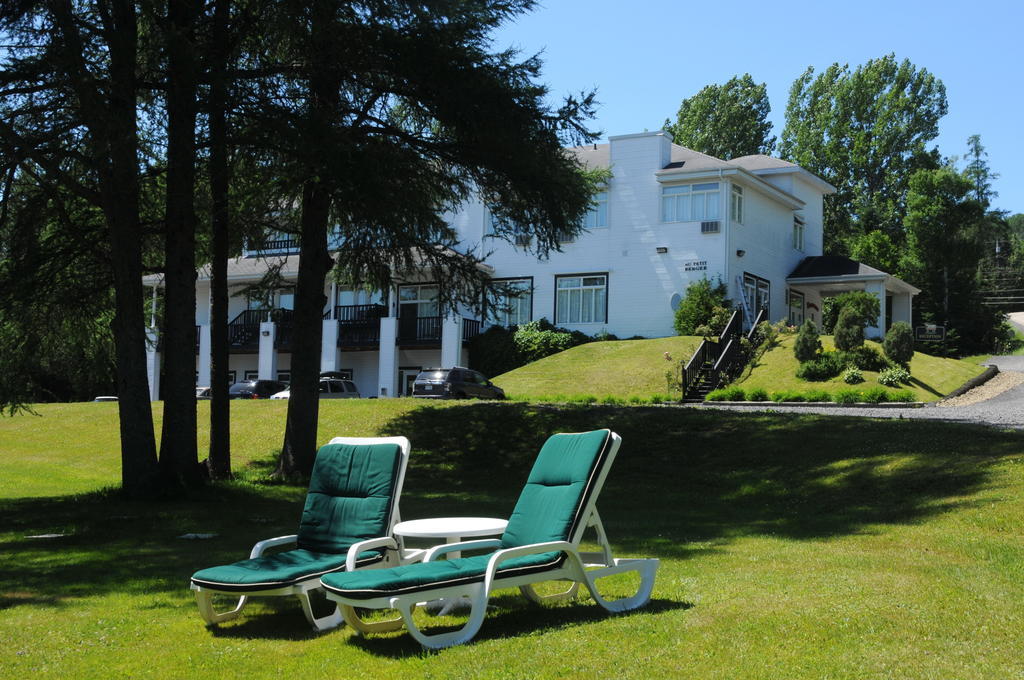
pixel 900 205
pixel 153 137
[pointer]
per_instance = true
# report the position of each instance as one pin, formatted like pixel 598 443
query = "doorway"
pixel 406 377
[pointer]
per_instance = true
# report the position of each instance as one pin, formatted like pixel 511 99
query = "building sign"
pixel 930 333
pixel 695 266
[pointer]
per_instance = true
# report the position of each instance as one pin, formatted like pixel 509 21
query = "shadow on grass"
pixel 686 482
pixel 512 617
pixel 926 387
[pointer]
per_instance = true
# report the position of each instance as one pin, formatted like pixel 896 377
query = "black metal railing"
pixel 285 331
pixel 359 325
pixel 244 329
pixel 419 330
pixel 470 329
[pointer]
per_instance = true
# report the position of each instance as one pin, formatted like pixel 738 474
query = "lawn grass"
pixel 792 546
pixel 617 368
pixel 933 377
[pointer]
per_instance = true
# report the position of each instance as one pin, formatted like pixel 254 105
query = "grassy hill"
pixel 786 551
pixel 933 377
pixel 618 368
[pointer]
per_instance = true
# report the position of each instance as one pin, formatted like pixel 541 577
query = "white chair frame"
pixel 301 589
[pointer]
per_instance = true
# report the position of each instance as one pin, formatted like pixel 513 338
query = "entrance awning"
pixel 833 274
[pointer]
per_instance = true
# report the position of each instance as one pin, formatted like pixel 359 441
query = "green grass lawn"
pixel 617 368
pixel 933 377
pixel 791 547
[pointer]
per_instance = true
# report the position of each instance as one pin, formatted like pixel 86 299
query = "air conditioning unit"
pixel 712 227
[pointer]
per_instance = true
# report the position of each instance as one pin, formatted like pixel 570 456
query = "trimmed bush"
pixel 876 395
pixel 899 343
pixel 865 358
pixel 727 394
pixel 894 377
pixel 847 397
pixel 698 307
pixel 818 395
pixel 807 344
pixel 853 376
pixel 826 366
pixel 849 334
pixel 757 394
pixel 905 396
pixel 783 396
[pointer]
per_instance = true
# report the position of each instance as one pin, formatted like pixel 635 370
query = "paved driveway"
pixel 1003 410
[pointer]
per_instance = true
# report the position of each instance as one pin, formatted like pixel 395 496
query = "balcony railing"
pixel 419 330
pixel 359 325
pixel 470 329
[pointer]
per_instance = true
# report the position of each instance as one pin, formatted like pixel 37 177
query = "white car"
pixel 330 388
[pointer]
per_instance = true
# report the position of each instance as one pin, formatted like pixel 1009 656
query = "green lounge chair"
pixel 346 525
pixel 541 543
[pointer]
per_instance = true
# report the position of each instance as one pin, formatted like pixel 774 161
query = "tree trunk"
pixel 219 463
pixel 120 195
pixel 178 455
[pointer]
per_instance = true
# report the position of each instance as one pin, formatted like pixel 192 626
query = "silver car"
pixel 330 388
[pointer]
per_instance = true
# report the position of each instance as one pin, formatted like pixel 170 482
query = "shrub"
pixel 894 377
pixel 905 396
pixel 849 334
pixel 899 343
pixel 727 394
pixel 827 365
pixel 716 395
pixel 807 344
pixel 847 397
pixel 757 394
pixel 865 358
pixel 779 397
pixel 636 399
pixel 538 339
pixel 698 306
pixel 876 395
pixel 817 395
pixel 604 336
pixel 852 376
pixel 862 306
pixel 612 400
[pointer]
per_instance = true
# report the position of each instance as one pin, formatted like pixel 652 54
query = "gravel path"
pixel 1000 404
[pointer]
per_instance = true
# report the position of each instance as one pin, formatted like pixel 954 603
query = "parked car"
pixel 330 388
pixel 255 389
pixel 454 383
pixel 203 393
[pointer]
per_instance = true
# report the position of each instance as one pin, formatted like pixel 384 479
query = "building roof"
pixel 761 162
pixel 834 273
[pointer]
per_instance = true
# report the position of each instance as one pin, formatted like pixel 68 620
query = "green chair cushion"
pixel 424 576
pixel 276 570
pixel 551 504
pixel 350 496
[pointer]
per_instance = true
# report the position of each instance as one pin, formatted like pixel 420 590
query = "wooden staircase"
pixel 714 363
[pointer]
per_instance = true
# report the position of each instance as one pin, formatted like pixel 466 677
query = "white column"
pixel 329 345
pixel 387 362
pixel 204 356
pixel 268 354
pixel 877 331
pixel 153 364
pixel 902 308
pixel 451 341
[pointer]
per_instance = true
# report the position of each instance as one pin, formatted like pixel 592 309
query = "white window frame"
pixel 797 312
pixel 423 303
pixel 517 310
pixel 691 202
pixel 757 290
pixel 799 233
pixel 597 216
pixel 736 204
pixel 581 298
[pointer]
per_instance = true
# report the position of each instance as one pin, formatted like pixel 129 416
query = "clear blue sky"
pixel 644 57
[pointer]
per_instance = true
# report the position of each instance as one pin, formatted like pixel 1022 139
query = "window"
pixel 597 216
pixel 798 232
pixel 581 299
pixel 796 308
pixel 690 202
pixel 251 375
pixel 757 291
pixel 515 306
pixel 422 298
pixel 520 236
pixel 736 204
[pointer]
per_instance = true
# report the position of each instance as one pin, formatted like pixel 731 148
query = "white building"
pixel 667 217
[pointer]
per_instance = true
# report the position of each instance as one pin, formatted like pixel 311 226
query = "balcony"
pixel 359 325
pixel 419 331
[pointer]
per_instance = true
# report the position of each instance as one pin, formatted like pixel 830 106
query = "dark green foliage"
pixel 865 131
pixel 727 394
pixel 849 334
pixel 698 307
pixel 726 121
pixel 847 396
pixel 499 350
pixel 865 358
pixel 779 397
pixel 875 395
pixel 538 339
pixel 807 344
pixel 817 395
pixel 864 307
pixel 899 343
pixel 757 394
pixel 824 367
